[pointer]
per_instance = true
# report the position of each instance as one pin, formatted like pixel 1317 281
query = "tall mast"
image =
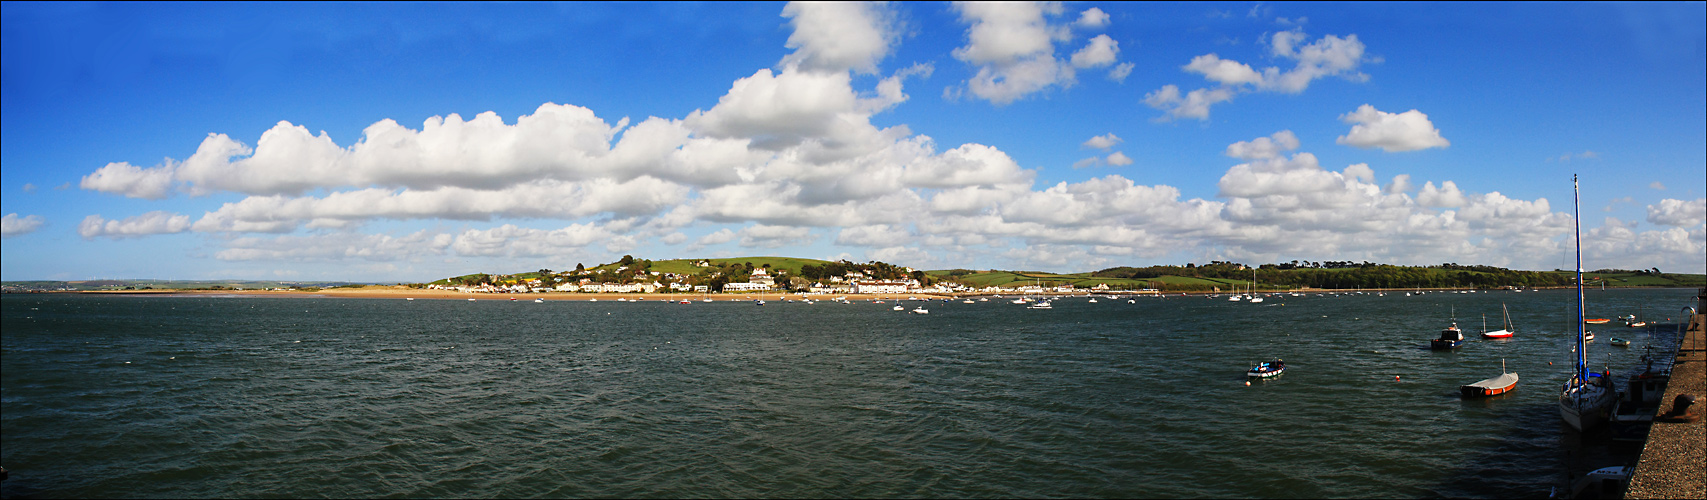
pixel 1582 328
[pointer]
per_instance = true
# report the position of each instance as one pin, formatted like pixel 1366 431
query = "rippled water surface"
pixel 306 397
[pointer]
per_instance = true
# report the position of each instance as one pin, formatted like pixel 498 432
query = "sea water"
pixel 240 396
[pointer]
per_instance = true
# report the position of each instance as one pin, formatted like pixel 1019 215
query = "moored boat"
pixel 1504 333
pixel 1493 386
pixel 1267 369
pixel 1450 338
pixel 1618 342
pixel 1643 392
pixel 1587 399
pixel 1597 321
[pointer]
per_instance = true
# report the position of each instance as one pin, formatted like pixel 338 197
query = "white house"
pixel 746 287
pixel 885 286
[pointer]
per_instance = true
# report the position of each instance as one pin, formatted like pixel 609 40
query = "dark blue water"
pixel 309 397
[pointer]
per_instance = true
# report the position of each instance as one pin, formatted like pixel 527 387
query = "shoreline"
pixel 396 292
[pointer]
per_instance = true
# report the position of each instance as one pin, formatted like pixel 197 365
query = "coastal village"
pixel 630 279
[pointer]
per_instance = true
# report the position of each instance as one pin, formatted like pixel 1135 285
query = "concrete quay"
pixel 1674 460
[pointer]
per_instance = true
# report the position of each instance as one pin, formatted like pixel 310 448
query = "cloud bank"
pixel 789 156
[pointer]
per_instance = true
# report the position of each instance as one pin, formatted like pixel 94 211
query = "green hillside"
pixel 1223 276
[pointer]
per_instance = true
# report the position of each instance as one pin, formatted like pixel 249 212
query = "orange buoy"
pixel 1395 378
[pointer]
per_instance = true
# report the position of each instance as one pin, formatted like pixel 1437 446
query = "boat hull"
pixel 1442 345
pixel 1588 409
pixel 1490 387
pixel 1482 392
pixel 1267 370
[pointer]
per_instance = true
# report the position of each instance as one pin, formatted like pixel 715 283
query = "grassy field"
pixel 687 266
pixel 1634 279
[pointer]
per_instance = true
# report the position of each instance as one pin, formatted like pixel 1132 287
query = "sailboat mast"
pixel 1582 328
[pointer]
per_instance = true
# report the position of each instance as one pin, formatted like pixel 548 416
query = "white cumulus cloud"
pixel 156 222
pixel 1101 51
pixel 1264 147
pixel 1223 71
pixel 839 36
pixel 1680 213
pixel 1092 18
pixel 766 236
pixel 1327 56
pixel 1392 132
pixel 1193 105
pixel 13 225
pixel 130 180
pixel 1121 71
pixel 1013 47
pixel 1102 142
pixel 335 247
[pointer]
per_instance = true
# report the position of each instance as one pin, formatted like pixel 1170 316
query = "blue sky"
pixel 409 142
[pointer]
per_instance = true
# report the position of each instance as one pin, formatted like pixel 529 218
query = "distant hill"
pixel 1223 276
pixel 1229 277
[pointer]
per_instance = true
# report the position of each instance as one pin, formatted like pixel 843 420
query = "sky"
pixel 387 142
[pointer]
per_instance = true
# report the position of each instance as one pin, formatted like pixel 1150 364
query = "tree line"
pixel 1343 275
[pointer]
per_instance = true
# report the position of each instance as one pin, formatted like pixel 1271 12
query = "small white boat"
pixel 409 298
pixel 539 301
pixel 898 308
pixel 1093 301
pixel 1041 304
pixel 1267 369
pixel 1606 482
pixel 1498 334
pixel 920 310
